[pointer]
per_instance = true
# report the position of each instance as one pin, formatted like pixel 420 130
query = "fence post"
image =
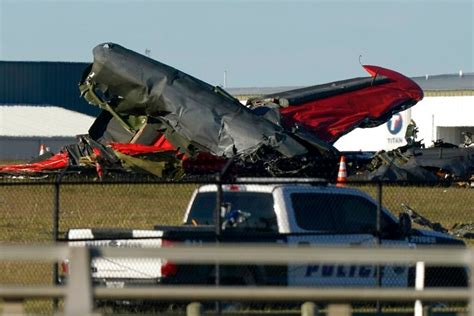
pixel 339 310
pixel 194 309
pixel 78 299
pixel 309 309
pixel 56 196
pixel 56 211
pixel 12 307
pixel 218 232
pixel 419 285
pixel 471 283
pixel 378 239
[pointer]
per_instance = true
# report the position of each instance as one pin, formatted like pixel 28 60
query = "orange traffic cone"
pixel 342 173
pixel 42 149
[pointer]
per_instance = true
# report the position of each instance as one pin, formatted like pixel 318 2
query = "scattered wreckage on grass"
pixel 460 230
pixel 413 162
pixel 158 120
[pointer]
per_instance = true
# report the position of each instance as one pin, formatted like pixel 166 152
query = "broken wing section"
pixel 193 115
pixel 334 109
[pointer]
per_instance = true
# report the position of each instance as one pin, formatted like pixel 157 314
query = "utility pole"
pixel 225 79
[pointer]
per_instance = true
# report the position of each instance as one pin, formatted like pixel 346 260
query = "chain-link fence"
pixel 300 212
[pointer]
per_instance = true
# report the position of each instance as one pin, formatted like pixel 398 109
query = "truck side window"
pixel 258 205
pixel 334 213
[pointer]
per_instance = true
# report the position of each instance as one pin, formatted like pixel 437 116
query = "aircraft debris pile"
pixel 413 162
pixel 161 121
pixel 461 230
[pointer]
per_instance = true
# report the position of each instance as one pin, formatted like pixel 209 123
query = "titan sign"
pixel 395 124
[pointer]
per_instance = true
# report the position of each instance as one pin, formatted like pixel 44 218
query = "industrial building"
pixel 40 104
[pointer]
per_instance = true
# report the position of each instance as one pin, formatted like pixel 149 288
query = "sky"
pixel 257 43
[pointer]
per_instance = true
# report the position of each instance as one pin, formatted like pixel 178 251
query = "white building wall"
pixel 23 128
pixel 42 121
pixel 432 115
pixel 386 136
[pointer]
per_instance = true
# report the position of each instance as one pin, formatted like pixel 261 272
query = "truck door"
pixel 345 220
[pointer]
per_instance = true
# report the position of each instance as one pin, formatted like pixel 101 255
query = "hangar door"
pixel 453 134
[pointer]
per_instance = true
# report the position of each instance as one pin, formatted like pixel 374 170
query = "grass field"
pixel 26 213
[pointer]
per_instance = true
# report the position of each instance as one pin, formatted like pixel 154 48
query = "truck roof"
pixel 269 188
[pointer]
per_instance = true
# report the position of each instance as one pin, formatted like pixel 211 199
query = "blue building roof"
pixel 43 83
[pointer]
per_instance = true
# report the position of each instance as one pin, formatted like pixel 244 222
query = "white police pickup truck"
pixel 285 213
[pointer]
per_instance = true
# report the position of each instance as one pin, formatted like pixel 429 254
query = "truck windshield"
pixel 258 205
pixel 335 213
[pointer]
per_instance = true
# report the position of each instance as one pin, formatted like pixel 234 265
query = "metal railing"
pixel 79 293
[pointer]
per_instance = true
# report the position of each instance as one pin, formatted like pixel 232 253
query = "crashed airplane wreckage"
pixel 443 162
pixel 158 120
